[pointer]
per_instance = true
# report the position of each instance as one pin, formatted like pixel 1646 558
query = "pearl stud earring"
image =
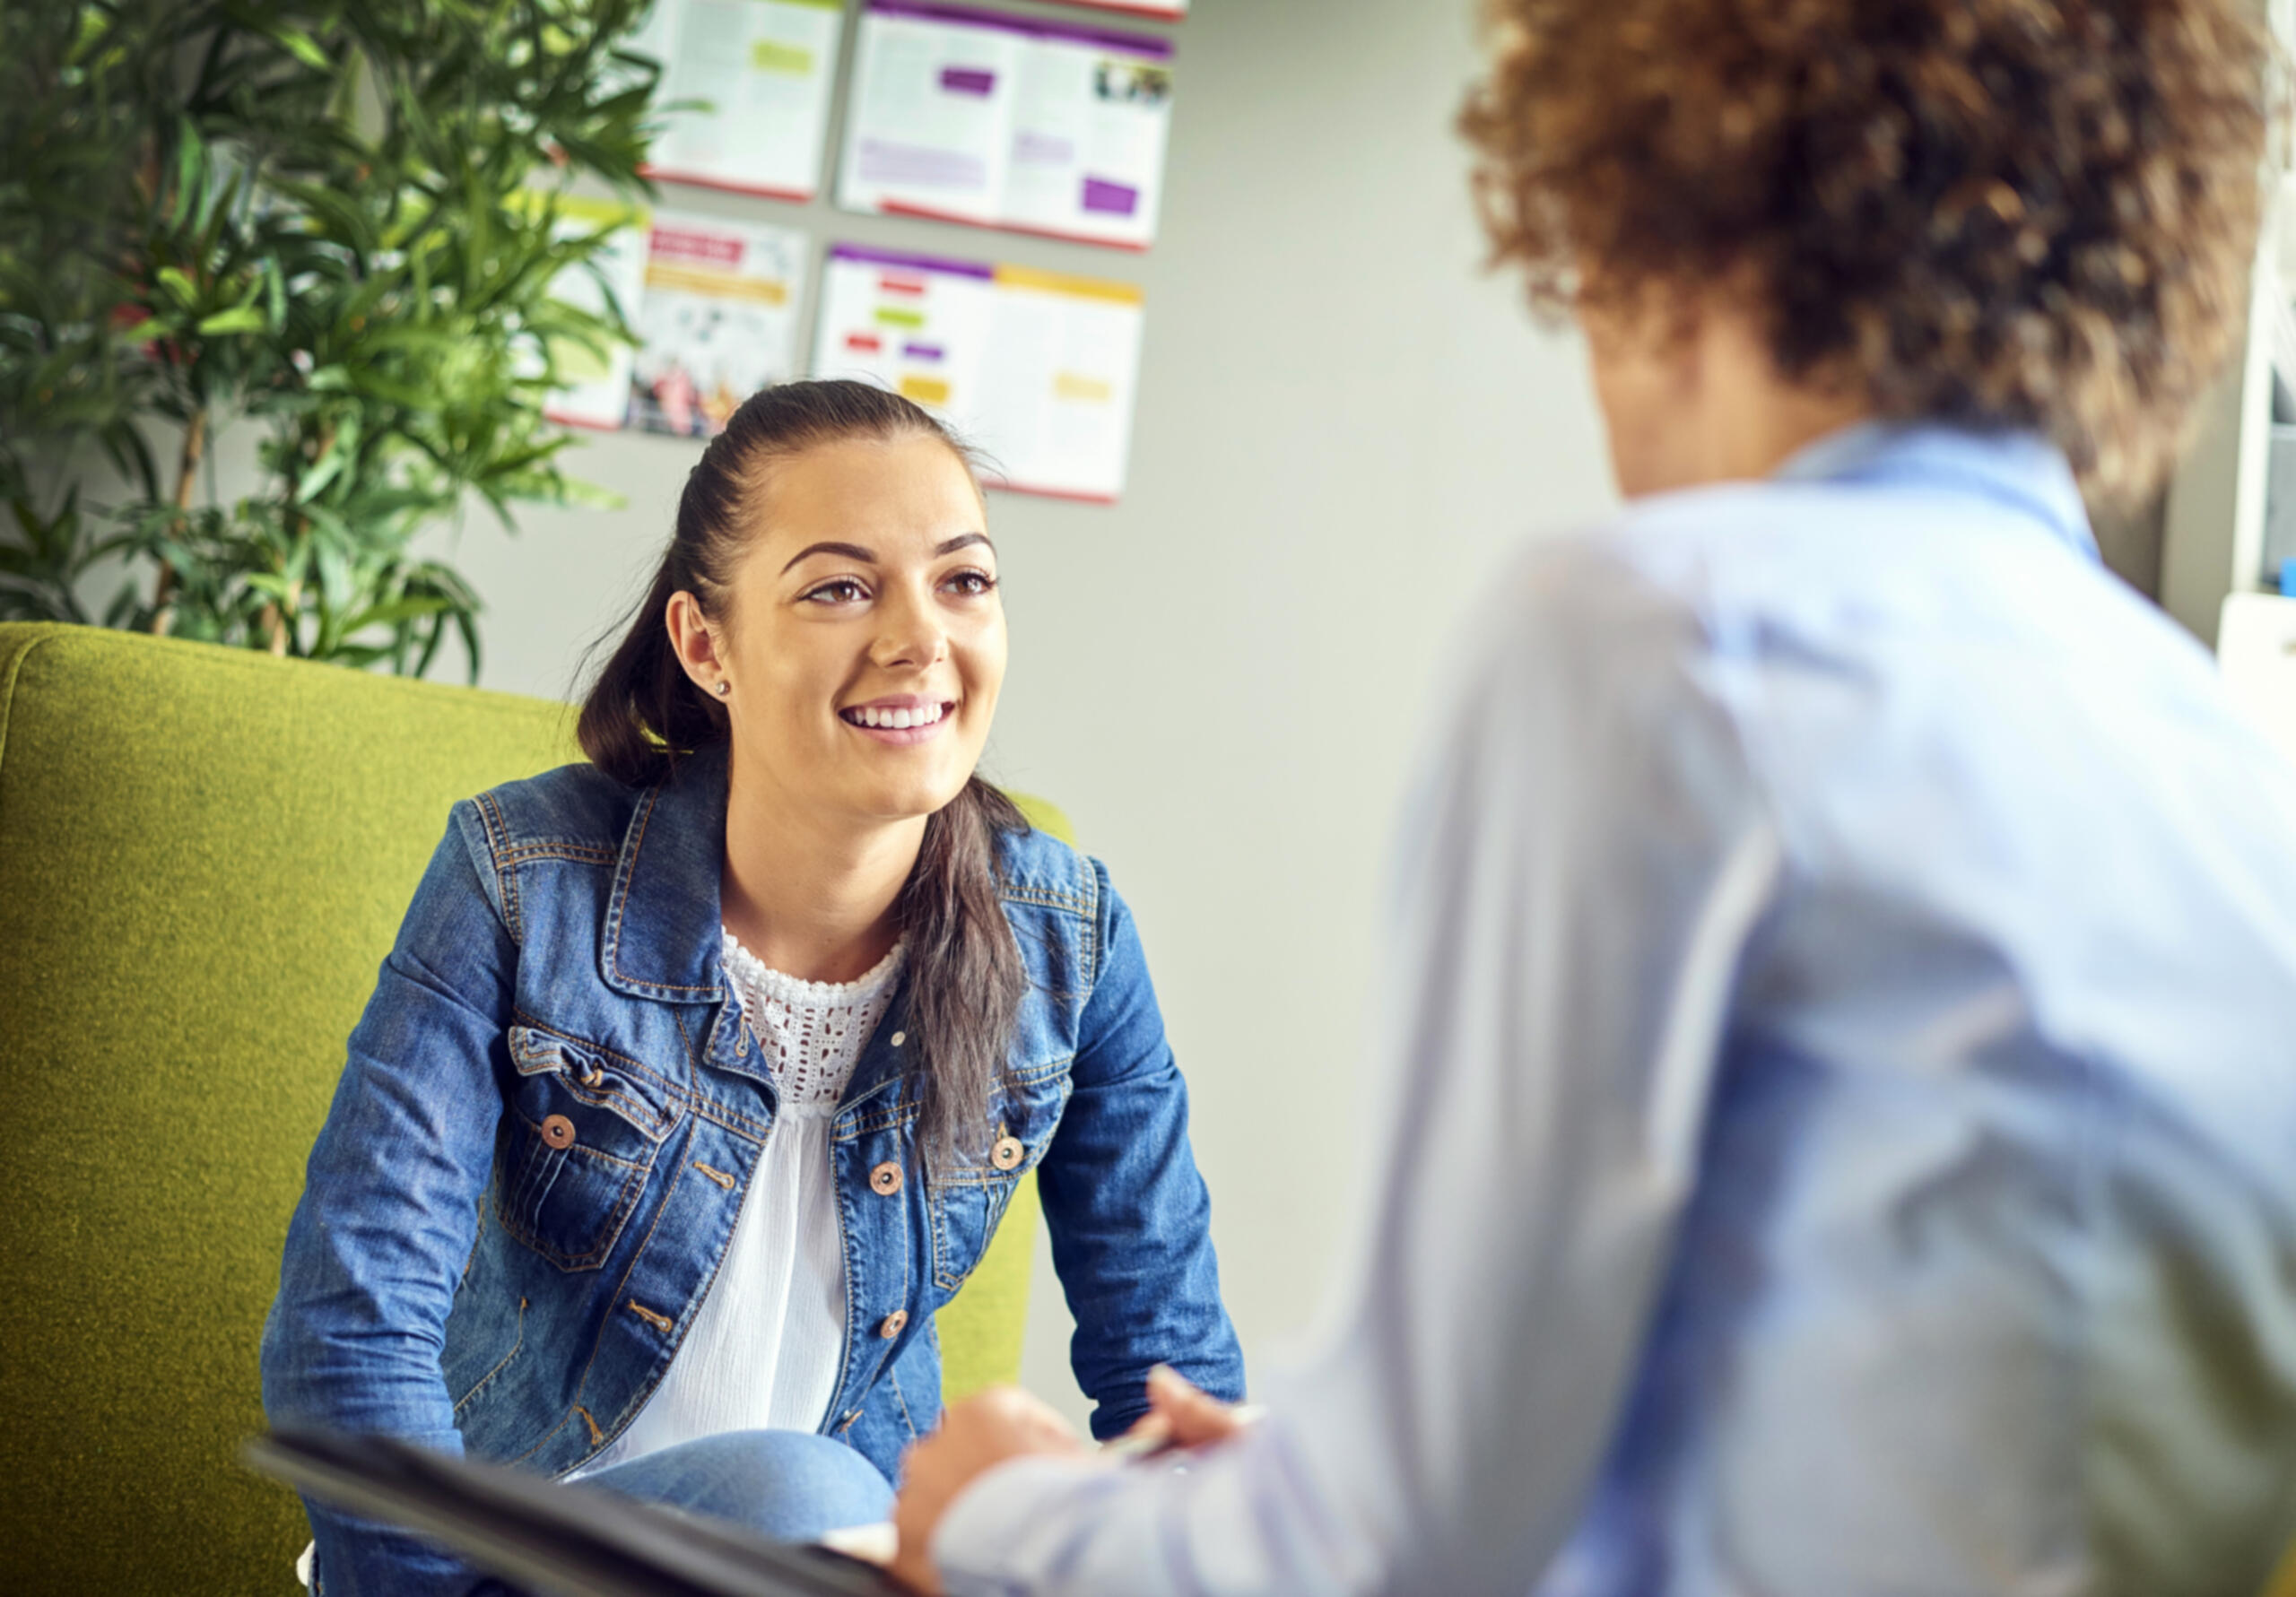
pixel 723 688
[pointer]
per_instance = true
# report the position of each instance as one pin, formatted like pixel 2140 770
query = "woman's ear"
pixel 695 640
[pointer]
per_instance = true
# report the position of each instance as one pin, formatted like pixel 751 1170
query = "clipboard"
pixel 570 1541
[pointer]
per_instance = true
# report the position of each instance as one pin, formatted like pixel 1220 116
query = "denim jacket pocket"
pixel 969 1199
pixel 577 1146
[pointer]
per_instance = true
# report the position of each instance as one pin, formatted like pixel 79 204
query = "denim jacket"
pixel 455 1276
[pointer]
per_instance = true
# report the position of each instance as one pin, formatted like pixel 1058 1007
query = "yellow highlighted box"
pixel 771 54
pixel 722 285
pixel 1060 283
pixel 925 390
pixel 1069 385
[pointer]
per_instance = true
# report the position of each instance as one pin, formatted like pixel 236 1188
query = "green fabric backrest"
pixel 204 854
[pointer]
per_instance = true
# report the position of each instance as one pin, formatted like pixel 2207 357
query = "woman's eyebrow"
pixel 869 557
pixel 851 552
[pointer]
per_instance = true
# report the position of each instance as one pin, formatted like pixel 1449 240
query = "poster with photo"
pixel 1022 123
pixel 718 321
pixel 753 81
pixel 1037 369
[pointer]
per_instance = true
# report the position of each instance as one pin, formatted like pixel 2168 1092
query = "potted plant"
pixel 334 224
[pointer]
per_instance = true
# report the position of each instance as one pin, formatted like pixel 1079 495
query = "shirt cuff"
pixel 1001 1531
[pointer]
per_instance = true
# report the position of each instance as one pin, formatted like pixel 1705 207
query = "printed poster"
pixel 1167 9
pixel 598 393
pixel 1022 123
pixel 718 321
pixel 1037 369
pixel 761 75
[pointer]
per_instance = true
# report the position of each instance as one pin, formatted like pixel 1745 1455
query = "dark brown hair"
pixel 2029 213
pixel 965 975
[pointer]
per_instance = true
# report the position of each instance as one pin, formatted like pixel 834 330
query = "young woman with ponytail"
pixel 701 1073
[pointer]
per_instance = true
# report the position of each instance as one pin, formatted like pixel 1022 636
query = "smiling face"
pixel 862 637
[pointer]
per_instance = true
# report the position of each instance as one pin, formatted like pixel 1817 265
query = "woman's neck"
pixel 812 895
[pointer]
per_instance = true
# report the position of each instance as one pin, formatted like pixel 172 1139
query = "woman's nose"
pixel 911 635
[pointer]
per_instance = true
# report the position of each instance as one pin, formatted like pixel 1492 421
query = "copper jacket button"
pixel 1007 1154
pixel 558 1132
pixel 893 1324
pixel 885 1179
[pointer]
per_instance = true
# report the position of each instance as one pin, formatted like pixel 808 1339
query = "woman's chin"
pixel 907 799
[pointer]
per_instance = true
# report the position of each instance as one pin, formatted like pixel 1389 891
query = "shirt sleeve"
pixel 1129 1219
pixel 1584 863
pixel 389 1211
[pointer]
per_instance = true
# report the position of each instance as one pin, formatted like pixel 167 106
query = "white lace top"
pixel 765 1351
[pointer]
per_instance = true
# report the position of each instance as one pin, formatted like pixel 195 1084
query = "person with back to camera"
pixel 701 1073
pixel 1839 1132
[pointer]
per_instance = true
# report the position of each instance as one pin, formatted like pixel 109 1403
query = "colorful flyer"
pixel 753 80
pixel 717 323
pixel 1021 123
pixel 599 391
pixel 1035 369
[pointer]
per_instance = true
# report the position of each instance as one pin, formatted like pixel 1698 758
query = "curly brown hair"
pixel 2032 214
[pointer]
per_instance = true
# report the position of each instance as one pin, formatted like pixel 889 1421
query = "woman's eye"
pixel 843 591
pixel 972 584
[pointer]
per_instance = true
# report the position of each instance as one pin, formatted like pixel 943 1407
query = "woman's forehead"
pixel 899 499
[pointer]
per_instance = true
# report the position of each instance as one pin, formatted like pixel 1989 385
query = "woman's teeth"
pixel 895 720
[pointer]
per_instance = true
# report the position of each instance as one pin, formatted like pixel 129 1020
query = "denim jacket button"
pixel 893 1324
pixel 1007 1154
pixel 885 1179
pixel 558 1132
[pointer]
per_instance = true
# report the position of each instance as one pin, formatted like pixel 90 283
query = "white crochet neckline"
pixel 812 1032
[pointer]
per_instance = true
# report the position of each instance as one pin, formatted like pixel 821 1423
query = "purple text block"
pixel 1105 198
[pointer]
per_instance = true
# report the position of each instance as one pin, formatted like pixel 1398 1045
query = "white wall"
pixel 1342 426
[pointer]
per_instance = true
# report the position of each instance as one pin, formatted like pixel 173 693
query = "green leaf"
pixel 244 319
pixel 301 45
pixel 396 611
pixel 336 591
pixel 466 628
pixel 191 165
pixel 323 471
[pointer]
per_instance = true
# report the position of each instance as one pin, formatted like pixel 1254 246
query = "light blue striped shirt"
pixel 1837 1128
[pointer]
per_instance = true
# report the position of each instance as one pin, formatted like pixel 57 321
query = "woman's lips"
pixel 900 721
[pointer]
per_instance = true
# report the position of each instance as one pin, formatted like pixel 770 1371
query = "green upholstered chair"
pixel 203 855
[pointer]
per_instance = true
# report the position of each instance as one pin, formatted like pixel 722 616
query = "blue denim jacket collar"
pixel 661 939
pixel 661 935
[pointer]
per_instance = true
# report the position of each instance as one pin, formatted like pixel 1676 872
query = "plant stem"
pixel 195 445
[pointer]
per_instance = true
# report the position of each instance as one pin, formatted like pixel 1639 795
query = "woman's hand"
pixel 1179 1415
pixel 974 1437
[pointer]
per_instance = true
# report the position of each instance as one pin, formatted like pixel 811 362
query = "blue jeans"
pixel 791 1485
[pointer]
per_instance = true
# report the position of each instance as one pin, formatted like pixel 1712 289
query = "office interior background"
pixel 1344 426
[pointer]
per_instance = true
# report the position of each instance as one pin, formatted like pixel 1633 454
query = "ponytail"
pixel 965 981
pixel 643 710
